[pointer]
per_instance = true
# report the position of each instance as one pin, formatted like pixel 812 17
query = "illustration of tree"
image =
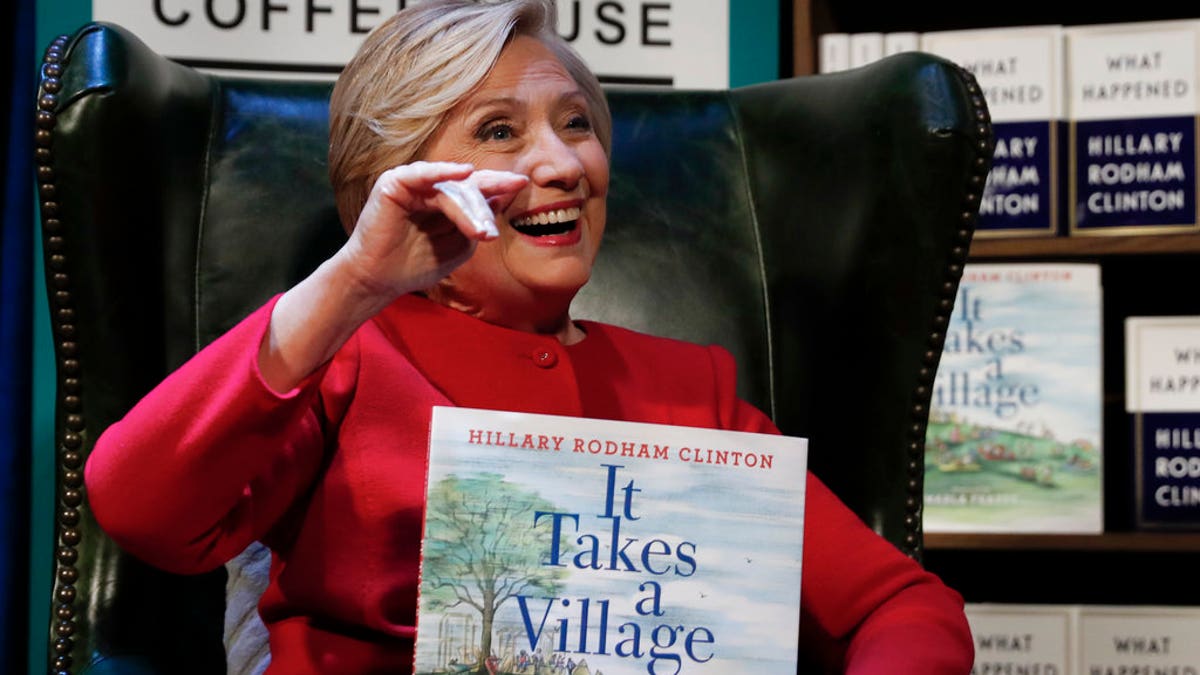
pixel 482 548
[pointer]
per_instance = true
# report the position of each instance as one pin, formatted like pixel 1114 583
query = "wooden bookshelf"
pixel 1084 246
pixel 1134 568
pixel 1142 275
pixel 1147 542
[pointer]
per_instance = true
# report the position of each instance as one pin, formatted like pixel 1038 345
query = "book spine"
pixel 834 52
pixel 865 48
pixel 1132 107
pixel 900 41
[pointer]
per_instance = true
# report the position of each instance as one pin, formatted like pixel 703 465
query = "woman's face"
pixel 530 117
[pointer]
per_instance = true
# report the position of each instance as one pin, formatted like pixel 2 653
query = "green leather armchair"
pixel 816 227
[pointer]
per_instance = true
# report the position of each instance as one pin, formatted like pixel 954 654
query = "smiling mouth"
pixel 556 221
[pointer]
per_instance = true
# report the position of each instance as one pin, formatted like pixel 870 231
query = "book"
pixel 613 547
pixel 833 50
pixel 865 48
pixel 1162 403
pixel 1019 70
pixel 1053 639
pixel 1013 442
pixel 895 42
pixel 1132 104
pixel 1138 639
pixel 1022 638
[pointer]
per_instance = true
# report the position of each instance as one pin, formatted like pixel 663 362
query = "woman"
pixel 469 156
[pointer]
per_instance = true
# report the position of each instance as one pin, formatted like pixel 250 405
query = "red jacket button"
pixel 544 358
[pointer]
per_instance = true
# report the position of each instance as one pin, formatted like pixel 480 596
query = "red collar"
pixel 481 365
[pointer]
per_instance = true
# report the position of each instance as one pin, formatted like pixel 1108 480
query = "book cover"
pixel 1019 70
pixel 1022 638
pixel 1162 402
pixel 1131 92
pixel 562 544
pixel 1014 436
pixel 1121 640
pixel 833 52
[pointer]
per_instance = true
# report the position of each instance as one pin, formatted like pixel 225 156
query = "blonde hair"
pixel 414 68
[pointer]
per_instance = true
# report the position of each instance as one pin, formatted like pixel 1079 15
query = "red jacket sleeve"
pixel 209 460
pixel 866 608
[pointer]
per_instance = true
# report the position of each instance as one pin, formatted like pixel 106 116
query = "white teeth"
pixel 547 217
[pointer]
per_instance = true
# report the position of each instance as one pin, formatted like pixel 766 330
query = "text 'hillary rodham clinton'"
pixel 622 449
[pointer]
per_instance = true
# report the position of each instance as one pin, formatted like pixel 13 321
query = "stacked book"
pixel 1084 639
pixel 1095 125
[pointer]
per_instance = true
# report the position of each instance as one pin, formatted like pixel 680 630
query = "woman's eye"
pixel 579 122
pixel 496 132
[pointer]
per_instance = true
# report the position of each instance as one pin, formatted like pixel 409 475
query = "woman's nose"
pixel 554 162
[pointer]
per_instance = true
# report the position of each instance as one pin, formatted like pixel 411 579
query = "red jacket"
pixel 331 476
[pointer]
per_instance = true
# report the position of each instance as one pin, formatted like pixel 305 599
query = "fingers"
pixel 407 182
pixel 404 182
pixel 410 189
pixel 499 187
pixel 494 183
pixel 468 198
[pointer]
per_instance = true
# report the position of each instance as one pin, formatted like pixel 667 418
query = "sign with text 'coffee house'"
pixel 682 44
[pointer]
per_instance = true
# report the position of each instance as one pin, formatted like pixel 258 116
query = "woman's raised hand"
pixel 422 220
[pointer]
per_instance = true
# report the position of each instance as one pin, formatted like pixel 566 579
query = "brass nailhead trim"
pixel 982 143
pixel 70 479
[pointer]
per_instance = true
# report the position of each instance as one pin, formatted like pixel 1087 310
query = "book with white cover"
pixel 1013 443
pixel 1116 640
pixel 1023 638
pixel 1162 402
pixel 617 547
pixel 1132 106
pixel 1019 70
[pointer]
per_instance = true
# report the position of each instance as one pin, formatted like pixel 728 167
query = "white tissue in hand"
pixel 471 201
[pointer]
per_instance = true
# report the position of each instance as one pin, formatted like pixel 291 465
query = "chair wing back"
pixel 816 227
